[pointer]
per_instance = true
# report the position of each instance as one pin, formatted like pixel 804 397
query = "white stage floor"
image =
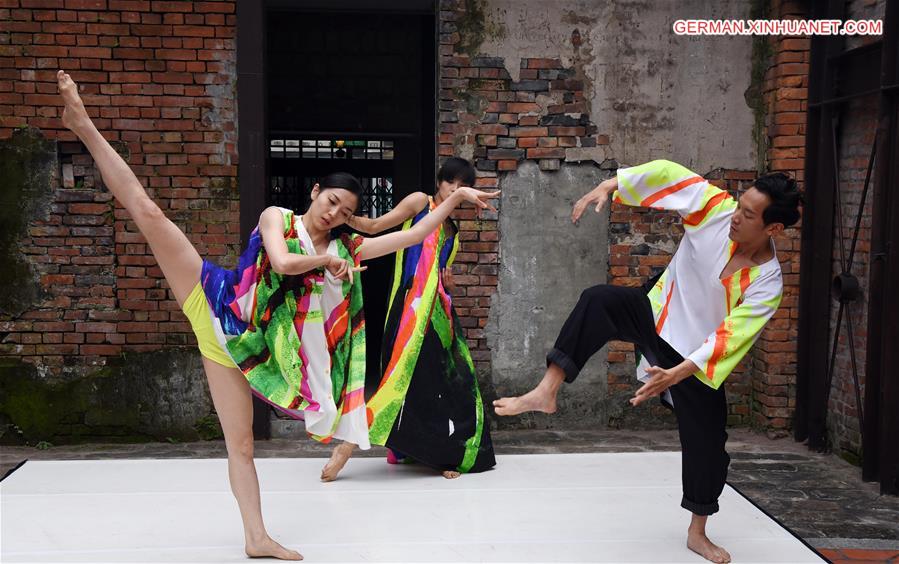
pixel 552 508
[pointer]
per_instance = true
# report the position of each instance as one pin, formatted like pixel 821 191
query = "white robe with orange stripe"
pixel 709 320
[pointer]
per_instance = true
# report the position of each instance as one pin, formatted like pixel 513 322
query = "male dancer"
pixel 698 319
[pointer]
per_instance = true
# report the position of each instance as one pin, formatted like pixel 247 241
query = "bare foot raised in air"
pixel 699 543
pixel 268 548
pixel 74 116
pixel 542 398
pixel 339 456
pixel 538 399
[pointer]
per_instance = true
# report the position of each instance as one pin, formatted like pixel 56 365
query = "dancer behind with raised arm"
pixel 428 405
pixel 286 324
pixel 697 321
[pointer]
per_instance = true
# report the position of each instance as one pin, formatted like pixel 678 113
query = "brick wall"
pixel 158 79
pixel 785 96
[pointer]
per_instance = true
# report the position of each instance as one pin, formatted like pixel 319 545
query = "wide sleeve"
pixel 667 185
pixel 722 350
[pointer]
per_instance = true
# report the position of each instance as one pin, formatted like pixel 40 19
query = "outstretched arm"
pixel 663 185
pixel 375 247
pixel 408 207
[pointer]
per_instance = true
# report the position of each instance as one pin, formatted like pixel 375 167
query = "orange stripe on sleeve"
pixel 647 202
pixel 698 217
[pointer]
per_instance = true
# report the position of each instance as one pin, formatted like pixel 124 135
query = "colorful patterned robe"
pixel 428 405
pixel 299 340
pixel 711 321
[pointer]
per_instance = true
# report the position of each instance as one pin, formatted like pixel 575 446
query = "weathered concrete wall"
pixel 653 92
pixel 629 90
pixel 546 263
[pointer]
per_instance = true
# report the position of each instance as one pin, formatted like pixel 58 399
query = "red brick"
pixel 215 7
pixel 528 132
pixel 522 107
pixel 544 64
pixel 567 131
pixel 546 153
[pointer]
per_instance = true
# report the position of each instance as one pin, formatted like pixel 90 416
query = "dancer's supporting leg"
pixel 701 419
pixel 338 460
pixel 606 313
pixel 181 264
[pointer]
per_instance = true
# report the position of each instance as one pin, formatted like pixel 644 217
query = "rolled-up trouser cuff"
pixel 555 356
pixel 699 508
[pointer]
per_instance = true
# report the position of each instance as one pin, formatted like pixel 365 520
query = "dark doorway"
pixel 346 86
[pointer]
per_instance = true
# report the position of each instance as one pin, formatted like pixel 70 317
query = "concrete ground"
pixel 818 496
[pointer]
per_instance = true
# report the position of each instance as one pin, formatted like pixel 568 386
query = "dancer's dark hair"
pixel 343 180
pixel 456 168
pixel 783 191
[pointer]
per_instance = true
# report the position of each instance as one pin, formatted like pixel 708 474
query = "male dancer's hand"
pixel 596 197
pixel 661 379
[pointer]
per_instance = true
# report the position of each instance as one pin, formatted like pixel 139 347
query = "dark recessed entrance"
pixel 344 86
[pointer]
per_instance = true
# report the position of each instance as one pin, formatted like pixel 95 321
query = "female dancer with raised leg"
pixel 265 322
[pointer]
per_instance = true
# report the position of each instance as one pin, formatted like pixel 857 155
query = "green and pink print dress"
pixel 299 340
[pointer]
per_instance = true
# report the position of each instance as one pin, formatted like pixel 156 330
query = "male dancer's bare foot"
pixel 542 398
pixel 701 545
pixel 451 474
pixel 268 548
pixel 538 399
pixel 74 116
pixel 339 456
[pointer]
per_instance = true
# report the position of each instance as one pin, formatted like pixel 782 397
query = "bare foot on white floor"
pixel 268 548
pixel 538 399
pixel 339 457
pixel 701 545
pixel 74 116
pixel 451 474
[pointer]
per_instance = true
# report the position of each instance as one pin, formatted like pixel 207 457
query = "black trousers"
pixel 614 313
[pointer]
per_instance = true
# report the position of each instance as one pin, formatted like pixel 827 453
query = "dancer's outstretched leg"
pixel 176 256
pixel 181 265
pixel 338 460
pixel 234 405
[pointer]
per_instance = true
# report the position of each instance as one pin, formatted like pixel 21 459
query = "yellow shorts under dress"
pixel 197 311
